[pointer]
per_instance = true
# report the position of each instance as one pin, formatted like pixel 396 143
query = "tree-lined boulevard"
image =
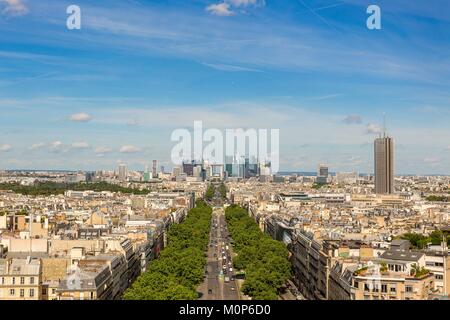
pixel 179 270
pixel 264 260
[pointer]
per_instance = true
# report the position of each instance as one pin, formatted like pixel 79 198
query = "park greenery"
pixel 21 212
pixel 55 188
pixel 435 198
pixel 180 268
pixel 419 241
pixel 264 260
pixel 317 185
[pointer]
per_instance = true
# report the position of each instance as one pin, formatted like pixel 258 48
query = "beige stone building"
pixel 89 281
pixel 20 279
pixel 54 269
pixel 392 286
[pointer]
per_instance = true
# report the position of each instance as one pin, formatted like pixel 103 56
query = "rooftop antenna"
pixel 384 124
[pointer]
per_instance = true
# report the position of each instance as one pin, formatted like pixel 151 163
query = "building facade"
pixel 384 165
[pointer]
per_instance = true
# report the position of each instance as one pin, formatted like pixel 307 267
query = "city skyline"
pixel 113 91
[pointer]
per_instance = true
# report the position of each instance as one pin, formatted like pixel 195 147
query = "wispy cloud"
pixel 324 97
pixel 13 7
pixel 18 55
pixel 82 77
pixel 432 110
pixel 56 146
pixel 311 10
pixel 288 46
pixel 103 150
pixel 432 160
pixel 373 129
pixel 37 146
pixel 352 119
pixel 133 123
pixel 226 8
pixel 246 3
pixel 230 68
pixel 80 145
pixel 130 149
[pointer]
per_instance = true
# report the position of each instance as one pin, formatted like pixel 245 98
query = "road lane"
pixel 214 279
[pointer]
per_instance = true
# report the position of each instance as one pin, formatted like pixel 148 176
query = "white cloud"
pixel 225 8
pixel 220 9
pixel 5 148
pixel 352 119
pixel 56 146
pixel 103 150
pixel 37 146
pixel 129 149
pixel 373 129
pixel 13 7
pixel 80 117
pixel 80 145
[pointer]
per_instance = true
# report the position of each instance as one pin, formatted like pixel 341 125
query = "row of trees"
pixel 54 188
pixel 436 198
pixel 180 268
pixel 420 241
pixel 264 260
pixel 223 191
pixel 209 194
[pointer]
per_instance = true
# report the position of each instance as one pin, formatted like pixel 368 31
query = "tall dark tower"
pixel 384 163
pixel 154 169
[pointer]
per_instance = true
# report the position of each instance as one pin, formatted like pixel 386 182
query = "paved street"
pixel 219 283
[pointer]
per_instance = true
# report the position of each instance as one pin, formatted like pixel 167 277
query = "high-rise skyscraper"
pixel 188 168
pixel 322 174
pixel 154 168
pixel 229 166
pixel 384 164
pixel 122 172
pixel 146 174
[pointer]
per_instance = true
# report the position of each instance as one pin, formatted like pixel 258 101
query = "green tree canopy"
pixel 179 269
pixel 264 260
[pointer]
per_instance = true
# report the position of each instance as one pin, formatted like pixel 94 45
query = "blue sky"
pixel 116 89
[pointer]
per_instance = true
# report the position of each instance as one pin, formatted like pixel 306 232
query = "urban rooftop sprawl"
pixel 90 235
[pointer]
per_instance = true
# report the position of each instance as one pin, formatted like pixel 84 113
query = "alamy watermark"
pixel 374 20
pixel 74 19
pixel 238 146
